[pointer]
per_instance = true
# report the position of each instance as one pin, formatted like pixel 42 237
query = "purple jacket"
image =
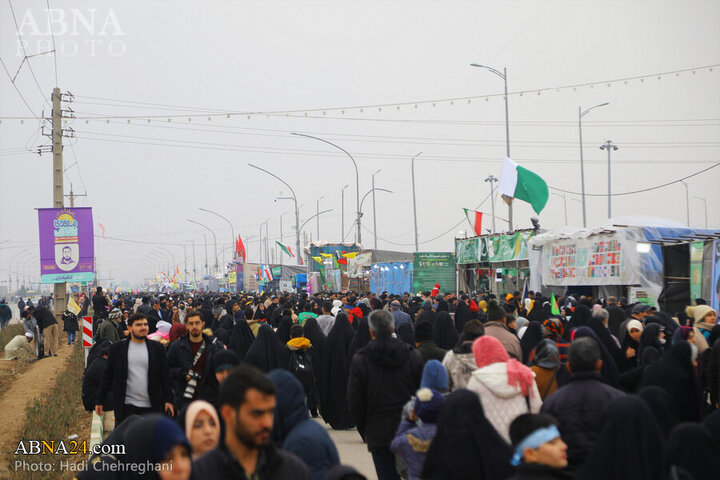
pixel 412 442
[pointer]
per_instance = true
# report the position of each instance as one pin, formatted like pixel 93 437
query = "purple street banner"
pixel 67 245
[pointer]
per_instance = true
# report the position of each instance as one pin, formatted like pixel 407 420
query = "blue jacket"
pixel 400 318
pixel 411 443
pixel 295 431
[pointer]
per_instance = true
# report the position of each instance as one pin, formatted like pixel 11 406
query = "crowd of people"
pixel 438 386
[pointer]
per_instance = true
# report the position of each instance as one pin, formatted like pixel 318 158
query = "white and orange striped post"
pixel 87 336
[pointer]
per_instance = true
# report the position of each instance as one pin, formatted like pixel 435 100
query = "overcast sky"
pixel 183 65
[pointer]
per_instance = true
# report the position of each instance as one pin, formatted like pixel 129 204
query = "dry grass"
pixel 55 416
pixel 11 369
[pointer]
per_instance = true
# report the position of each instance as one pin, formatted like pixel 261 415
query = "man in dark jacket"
pixel 155 315
pixel 295 431
pixel 92 380
pixel 100 304
pixel 425 343
pixel 383 376
pixel 190 358
pixel 48 325
pixel 247 405
pixel 137 374
pixel 580 405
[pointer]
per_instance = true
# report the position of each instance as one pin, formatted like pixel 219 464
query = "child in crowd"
pixel 540 453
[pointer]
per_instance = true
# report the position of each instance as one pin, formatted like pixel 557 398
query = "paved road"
pixel 352 450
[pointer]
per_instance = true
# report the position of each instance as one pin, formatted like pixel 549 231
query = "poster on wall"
pixel 696 261
pixel 716 276
pixel 587 262
pixel 67 245
pixel 430 268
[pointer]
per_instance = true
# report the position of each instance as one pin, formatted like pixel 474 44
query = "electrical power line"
pixel 26 57
pixel 18 90
pixel 52 33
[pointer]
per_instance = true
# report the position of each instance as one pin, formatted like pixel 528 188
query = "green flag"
pixel 554 305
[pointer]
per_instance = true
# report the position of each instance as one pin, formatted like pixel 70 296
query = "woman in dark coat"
pixel 651 347
pixel 241 338
pixel 580 318
pixel 532 336
pixel 466 444
pixel 360 339
pixel 630 445
pixel 427 315
pixel 661 405
pixel 266 352
pixel 674 373
pixel 444 332
pixel 334 406
pixel 609 369
pixel 70 325
pixel 283 329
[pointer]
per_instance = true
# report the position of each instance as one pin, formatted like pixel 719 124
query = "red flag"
pixel 240 249
pixel 342 261
pixel 475 220
pixel 301 261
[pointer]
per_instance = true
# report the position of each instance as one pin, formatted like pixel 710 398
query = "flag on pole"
pixel 475 219
pixel 318 260
pixel 326 255
pixel 350 254
pixel 268 273
pixel 240 249
pixel 519 182
pixel 554 309
pixel 73 306
pixel 286 249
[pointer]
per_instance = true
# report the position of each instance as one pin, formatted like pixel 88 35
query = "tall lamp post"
pixel 357 178
pixel 371 191
pixel 687 202
pixel 317 217
pixel 297 212
pixel 581 114
pixel 492 179
pixel 564 197
pixel 214 240
pixel 412 170
pixel 609 147
pixel 232 230
pixel 374 210
pixel 704 200
pixel 342 214
pixel 503 75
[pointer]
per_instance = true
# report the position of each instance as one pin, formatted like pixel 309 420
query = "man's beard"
pixel 248 439
pixel 137 337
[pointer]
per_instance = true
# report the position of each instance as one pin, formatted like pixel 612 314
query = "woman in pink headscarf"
pixel 505 386
pixel 202 427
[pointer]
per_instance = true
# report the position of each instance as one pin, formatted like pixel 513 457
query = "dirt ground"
pixel 37 379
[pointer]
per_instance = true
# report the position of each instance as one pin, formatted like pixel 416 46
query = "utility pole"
pixel 492 179
pixel 609 147
pixel 412 170
pixel 687 202
pixel 342 214
pixel 194 266
pixel 73 195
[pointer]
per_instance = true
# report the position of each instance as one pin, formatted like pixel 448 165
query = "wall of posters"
pixel 67 245
pixel 493 249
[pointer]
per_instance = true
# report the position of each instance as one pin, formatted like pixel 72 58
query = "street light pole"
pixel 503 75
pixel 609 147
pixel 564 197
pixel 297 211
pixel 704 200
pixel 492 179
pixel 687 201
pixel 412 169
pixel 342 214
pixel 232 230
pixel 375 211
pixel 357 180
pixel 581 114
pixel 371 191
pixel 317 218
pixel 214 240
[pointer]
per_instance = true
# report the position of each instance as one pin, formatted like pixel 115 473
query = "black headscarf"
pixel 406 334
pixel 466 444
pixel 630 445
pixel 360 339
pixel 692 448
pixel 663 319
pixel 606 338
pixel 150 439
pixel 538 313
pixel 675 374
pixel 661 405
pixel 241 338
pixel 334 407
pixel 546 355
pixel 650 348
pixel 462 315
pixel 266 352
pixel 444 332
pixel 609 369
pixel 532 336
pixel 427 314
pixel 283 329
pixel 580 318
